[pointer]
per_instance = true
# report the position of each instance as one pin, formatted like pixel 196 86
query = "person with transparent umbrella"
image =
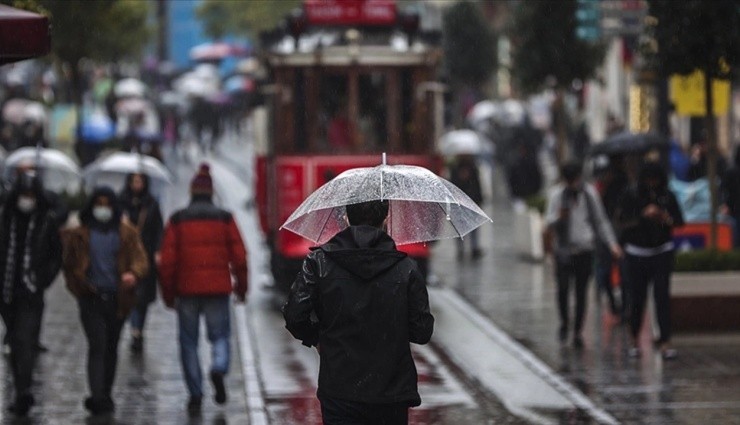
pixel 359 300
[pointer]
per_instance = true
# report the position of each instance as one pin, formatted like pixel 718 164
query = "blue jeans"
pixel 216 312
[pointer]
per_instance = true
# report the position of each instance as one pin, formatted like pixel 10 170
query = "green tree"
pixel 105 31
pixel 704 35
pixel 243 17
pixel 469 45
pixel 547 52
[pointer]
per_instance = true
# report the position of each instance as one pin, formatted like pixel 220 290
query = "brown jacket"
pixel 76 261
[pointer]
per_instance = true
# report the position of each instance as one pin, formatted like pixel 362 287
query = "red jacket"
pixel 201 251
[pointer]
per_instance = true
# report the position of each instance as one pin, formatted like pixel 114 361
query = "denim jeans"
pixel 216 312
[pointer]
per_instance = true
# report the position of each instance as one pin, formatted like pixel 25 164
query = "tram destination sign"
pixel 351 12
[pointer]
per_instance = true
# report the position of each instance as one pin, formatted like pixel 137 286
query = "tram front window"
pixel 352 122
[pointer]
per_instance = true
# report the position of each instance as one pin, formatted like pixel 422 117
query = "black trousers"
pixel 345 412
pixel 22 319
pixel 102 327
pixel 574 269
pixel 642 271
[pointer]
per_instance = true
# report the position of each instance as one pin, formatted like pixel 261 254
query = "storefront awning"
pixel 23 35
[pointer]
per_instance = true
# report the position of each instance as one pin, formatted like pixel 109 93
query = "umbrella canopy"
pixel 482 111
pixel 423 206
pixel 129 87
pixel 629 143
pixel 44 158
pixel 464 142
pixel 123 163
pixel 14 111
pixel 215 51
pixel 97 127
pixel 36 112
pixel 58 170
pixel 512 113
pixel 24 34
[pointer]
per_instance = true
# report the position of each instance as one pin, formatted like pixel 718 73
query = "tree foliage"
pixel 697 34
pixel 108 30
pixel 545 46
pixel 469 44
pixel 223 17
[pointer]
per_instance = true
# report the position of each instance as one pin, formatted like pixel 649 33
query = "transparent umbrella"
pixel 129 87
pixel 423 206
pixel 58 170
pixel 124 163
pixel 464 142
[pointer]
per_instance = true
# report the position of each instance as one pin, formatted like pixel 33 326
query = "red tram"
pixel 354 79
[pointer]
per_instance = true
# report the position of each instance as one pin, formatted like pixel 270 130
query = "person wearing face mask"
pixel 576 217
pixel 30 258
pixel 141 210
pixel 647 214
pixel 103 261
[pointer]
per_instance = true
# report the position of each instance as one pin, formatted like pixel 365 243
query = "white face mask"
pixel 102 214
pixel 26 204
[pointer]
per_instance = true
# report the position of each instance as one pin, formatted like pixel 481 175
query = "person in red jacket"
pixel 202 250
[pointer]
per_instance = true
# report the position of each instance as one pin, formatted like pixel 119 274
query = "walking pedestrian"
pixel 103 261
pixel 202 253
pixel 142 211
pixel 30 258
pixel 611 183
pixel 464 174
pixel 360 302
pixel 577 220
pixel 648 214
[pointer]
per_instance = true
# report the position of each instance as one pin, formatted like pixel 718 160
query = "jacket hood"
pixel 364 251
pixel 86 216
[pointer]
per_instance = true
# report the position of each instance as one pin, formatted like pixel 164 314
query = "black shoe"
pixel 137 344
pixel 578 342
pixel 477 253
pixel 102 406
pixel 563 334
pixel 41 348
pixel 22 405
pixel 194 406
pixel 217 378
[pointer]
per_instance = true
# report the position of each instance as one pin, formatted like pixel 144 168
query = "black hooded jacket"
pixel 362 301
pixel 638 230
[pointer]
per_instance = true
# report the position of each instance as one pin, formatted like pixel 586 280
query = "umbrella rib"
pixel 452 223
pixel 323 226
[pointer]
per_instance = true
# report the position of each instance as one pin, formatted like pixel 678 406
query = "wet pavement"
pixel 701 386
pixel 510 300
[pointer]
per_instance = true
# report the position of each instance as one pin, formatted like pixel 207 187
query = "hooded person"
pixel 103 261
pixel 142 211
pixel 647 215
pixel 203 261
pixel 30 258
pixel 362 302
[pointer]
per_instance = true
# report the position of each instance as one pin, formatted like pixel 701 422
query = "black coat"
pixel 46 245
pixel 370 301
pixel 640 231
pixel 145 215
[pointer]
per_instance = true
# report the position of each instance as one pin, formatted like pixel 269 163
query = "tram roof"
pixel 333 49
